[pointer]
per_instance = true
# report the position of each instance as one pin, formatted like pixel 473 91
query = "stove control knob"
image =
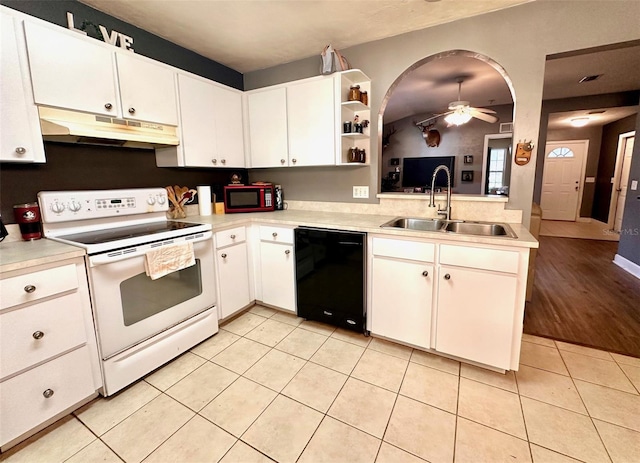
pixel 75 206
pixel 161 200
pixel 57 207
pixel 151 200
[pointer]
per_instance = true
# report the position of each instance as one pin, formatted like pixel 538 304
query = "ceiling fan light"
pixel 579 121
pixel 458 117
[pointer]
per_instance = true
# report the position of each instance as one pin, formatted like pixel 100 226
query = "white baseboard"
pixel 626 264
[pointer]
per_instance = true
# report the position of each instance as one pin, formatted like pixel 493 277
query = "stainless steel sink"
pixel 452 226
pixel 480 228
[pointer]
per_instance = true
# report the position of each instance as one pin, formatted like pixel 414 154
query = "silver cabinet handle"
pixel 38 335
pixel 29 289
pixel 282 161
pixel 447 277
pixel 224 256
pixel 215 161
pixel 224 161
pixel 108 106
pixel 47 393
pixel 274 234
pixel 294 160
pixel 287 252
pixel 233 237
pixel 132 110
pixel 425 274
pixel 21 150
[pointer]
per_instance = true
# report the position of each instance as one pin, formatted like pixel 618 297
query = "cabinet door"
pixel 147 90
pixel 268 128
pixel 227 107
pixel 312 126
pixel 70 72
pixel 475 315
pixel 277 267
pixel 401 300
pixel 21 139
pixel 233 275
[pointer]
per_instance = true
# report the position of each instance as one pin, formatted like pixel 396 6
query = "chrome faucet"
pixel 446 212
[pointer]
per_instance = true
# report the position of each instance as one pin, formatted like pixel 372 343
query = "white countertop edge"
pixel 19 255
pixel 454 197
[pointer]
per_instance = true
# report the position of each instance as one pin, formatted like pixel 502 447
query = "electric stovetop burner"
pixel 132 231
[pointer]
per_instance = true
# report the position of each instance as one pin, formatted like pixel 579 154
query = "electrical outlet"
pixel 360 191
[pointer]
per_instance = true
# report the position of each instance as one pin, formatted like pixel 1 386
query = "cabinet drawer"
pixel 276 234
pixel 22 399
pixel 231 236
pixel 37 285
pixel 60 323
pixel 411 250
pixel 481 258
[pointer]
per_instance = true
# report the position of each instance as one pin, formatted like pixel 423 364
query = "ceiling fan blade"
pixel 435 116
pixel 484 110
pixel 483 117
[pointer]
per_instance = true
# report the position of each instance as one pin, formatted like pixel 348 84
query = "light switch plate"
pixel 634 185
pixel 360 192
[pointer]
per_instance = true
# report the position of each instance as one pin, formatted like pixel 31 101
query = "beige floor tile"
pixel 315 386
pixel 611 405
pixel 390 454
pixel 596 353
pixel 563 431
pixel 391 348
pixel 475 442
pixel 380 369
pixel 550 388
pixel 301 343
pixel 506 381
pixel 538 340
pixel 542 455
pixel 436 361
pixel 104 413
pixel 289 318
pixel 317 327
pixel 364 406
pixel 244 323
pixel 338 355
pixel 96 451
pixel 263 311
pixel 215 344
pixel 57 442
pixel 141 433
pixel 335 441
pixel 202 386
pixel 626 360
pixel 593 370
pixel 546 358
pixel 623 444
pixel 422 430
pixel 197 441
pixel 633 373
pixel 358 339
pixel 174 371
pixel 283 430
pixel 275 369
pixel 241 355
pixel 242 453
pixel 493 407
pixel 433 387
pixel 238 406
pixel 270 332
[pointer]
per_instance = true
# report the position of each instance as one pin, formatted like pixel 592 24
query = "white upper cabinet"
pixel 147 90
pixel 69 72
pixel 311 122
pixel 268 127
pixel 227 109
pixel 21 140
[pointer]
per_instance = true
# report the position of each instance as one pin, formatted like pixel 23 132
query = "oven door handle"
pixel 109 257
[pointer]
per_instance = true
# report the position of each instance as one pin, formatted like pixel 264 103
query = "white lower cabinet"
pixel 278 267
pixel 232 265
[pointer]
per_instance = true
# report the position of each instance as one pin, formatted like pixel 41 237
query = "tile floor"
pixel 270 386
pixel 593 230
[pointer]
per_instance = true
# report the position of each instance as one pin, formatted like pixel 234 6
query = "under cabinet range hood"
pixel 76 127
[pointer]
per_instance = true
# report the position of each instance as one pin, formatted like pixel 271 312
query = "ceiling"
pixel 563 120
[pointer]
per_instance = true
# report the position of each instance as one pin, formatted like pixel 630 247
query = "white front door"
pixel 562 179
pixel 621 188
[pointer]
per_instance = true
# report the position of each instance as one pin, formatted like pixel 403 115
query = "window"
pixel 561 152
pixel 497 160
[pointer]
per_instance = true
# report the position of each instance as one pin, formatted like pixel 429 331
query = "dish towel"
pixel 168 259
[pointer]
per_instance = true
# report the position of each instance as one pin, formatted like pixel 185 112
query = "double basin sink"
pixel 452 226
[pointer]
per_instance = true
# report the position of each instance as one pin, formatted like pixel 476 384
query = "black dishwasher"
pixel 330 276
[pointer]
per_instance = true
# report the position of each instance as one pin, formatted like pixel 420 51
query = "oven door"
pixel 129 307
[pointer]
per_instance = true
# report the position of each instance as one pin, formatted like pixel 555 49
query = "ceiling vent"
pixel 589 78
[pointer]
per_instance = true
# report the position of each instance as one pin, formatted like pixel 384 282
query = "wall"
pixel 629 246
pixel 455 141
pixel 144 43
pixel 594 135
pixel 607 164
pixel 549 28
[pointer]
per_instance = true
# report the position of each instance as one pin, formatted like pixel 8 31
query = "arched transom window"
pixel 561 152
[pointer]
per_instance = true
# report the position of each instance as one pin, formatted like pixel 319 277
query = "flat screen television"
pixel 417 172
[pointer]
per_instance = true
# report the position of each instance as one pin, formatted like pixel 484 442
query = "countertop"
pixel 18 255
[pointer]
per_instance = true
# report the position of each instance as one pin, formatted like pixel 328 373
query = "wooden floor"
pixel 580 296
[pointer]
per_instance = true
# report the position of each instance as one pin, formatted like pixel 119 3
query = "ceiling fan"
pixel 460 112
